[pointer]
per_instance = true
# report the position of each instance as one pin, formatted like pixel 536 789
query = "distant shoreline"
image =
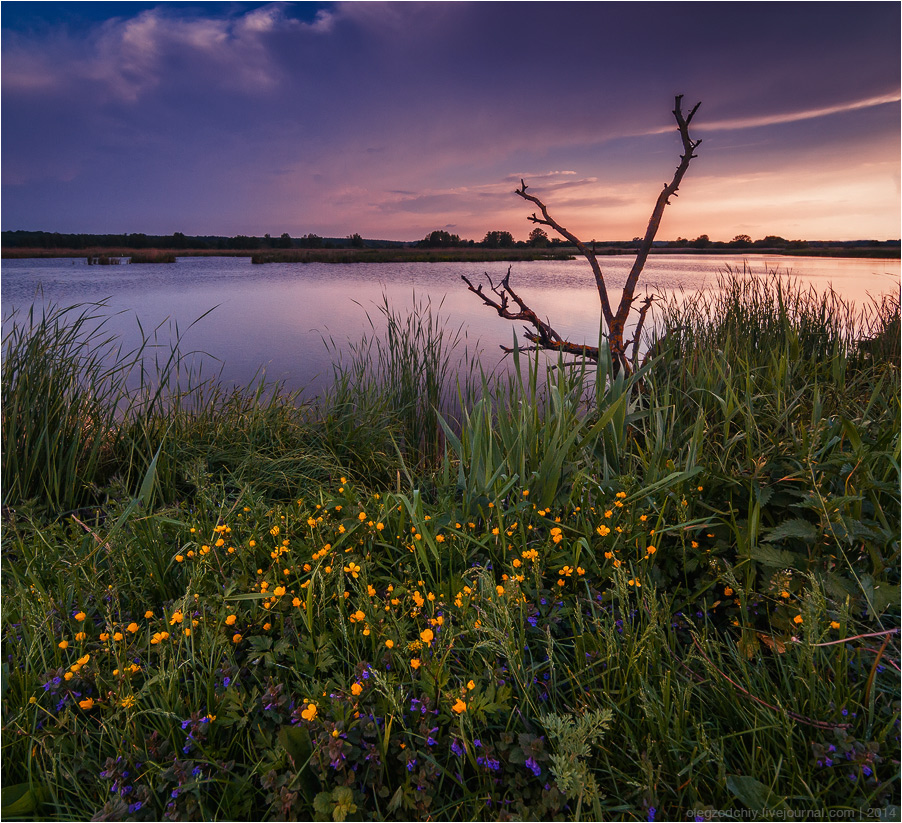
pixel 448 255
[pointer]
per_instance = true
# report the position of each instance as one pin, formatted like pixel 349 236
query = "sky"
pixel 392 120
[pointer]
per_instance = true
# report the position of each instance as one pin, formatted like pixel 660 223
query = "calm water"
pixel 276 316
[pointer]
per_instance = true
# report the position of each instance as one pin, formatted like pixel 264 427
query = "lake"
pixel 276 316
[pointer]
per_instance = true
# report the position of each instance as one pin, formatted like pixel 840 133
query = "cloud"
pixel 757 121
pixel 130 57
pixel 525 175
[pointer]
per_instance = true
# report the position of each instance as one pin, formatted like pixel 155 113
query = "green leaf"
pixel 885 595
pixel 322 805
pixel 20 799
pixel 296 741
pixel 796 527
pixel 763 495
pixel 769 556
pixel 754 794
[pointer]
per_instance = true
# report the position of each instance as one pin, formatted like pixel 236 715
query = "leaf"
pixel 769 556
pixel 754 794
pixel 397 798
pixel 296 741
pixel 20 800
pixel 840 587
pixel 773 643
pixel 796 527
pixel 322 804
pixel 748 644
pixel 885 595
pixel 763 495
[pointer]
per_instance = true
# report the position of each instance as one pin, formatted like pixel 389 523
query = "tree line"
pixel 538 238
pixel 439 238
pixel 178 240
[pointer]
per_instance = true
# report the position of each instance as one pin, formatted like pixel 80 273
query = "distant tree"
pixel 284 242
pixel 243 242
pixel 538 238
pixel 772 241
pixel 498 240
pixel 310 241
pixel 701 242
pixel 680 243
pixel 439 239
pixel 356 241
pixel 741 240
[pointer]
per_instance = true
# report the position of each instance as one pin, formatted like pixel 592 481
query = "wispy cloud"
pixel 758 121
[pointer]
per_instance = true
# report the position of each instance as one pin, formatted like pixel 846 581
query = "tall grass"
pixel 65 393
pixel 790 401
pixel 404 373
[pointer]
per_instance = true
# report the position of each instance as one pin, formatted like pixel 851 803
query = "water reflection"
pixel 276 316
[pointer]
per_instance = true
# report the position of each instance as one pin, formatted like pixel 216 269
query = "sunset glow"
pixel 392 120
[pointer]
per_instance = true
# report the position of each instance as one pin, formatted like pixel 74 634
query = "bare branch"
pixel 669 190
pixel 544 336
pixel 637 337
pixel 548 220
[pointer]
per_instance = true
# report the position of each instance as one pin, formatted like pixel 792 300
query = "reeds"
pixel 64 394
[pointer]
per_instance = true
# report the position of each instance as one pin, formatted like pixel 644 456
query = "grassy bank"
pixel 575 598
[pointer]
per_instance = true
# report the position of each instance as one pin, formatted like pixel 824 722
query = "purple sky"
pixel 392 120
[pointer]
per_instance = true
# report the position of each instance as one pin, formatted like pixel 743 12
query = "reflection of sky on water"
pixel 277 315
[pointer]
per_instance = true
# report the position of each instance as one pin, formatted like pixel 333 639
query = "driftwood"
pixel 542 335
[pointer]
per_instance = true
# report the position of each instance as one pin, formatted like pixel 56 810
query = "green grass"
pixel 549 596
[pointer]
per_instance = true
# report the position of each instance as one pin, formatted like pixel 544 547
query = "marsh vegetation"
pixel 427 593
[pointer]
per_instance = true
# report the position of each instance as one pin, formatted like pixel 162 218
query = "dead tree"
pixel 542 335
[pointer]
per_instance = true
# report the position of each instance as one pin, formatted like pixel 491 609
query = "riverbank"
pixel 666 603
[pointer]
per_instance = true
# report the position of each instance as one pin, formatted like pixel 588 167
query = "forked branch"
pixel 544 336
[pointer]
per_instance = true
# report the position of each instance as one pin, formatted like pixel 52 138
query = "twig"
pixel 820 724
pixel 850 639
